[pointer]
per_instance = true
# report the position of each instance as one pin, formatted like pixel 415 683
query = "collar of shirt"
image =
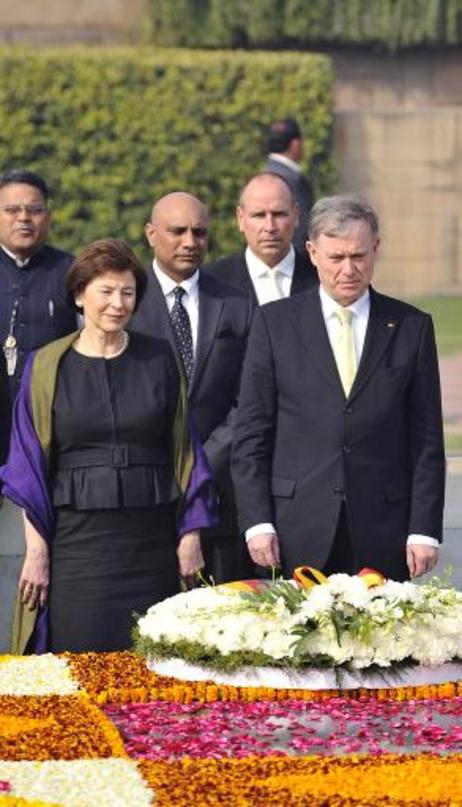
pixel 15 258
pixel 360 307
pixel 281 158
pixel 190 300
pixel 257 268
pixel 167 284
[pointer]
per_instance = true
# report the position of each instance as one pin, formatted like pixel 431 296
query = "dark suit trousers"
pixel 342 555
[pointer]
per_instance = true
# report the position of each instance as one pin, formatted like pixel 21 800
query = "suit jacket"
pixel 233 270
pixel 301 448
pixel 303 196
pixel 224 320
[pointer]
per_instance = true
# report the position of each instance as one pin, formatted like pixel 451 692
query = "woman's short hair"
pixel 107 254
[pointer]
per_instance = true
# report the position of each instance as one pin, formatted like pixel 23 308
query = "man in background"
pixel 207 324
pixel 33 308
pixel 269 268
pixel 285 151
pixel 33 312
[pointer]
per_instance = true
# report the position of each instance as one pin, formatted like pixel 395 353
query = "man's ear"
pixel 150 232
pixel 310 247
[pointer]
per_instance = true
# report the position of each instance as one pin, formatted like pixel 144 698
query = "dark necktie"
pixel 182 331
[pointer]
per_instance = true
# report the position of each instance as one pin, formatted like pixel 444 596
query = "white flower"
pixel 341 619
pixel 36 675
pixel 79 783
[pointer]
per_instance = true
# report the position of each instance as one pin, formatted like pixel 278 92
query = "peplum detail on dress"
pixel 102 487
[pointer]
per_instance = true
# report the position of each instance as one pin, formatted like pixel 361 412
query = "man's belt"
pixel 112 456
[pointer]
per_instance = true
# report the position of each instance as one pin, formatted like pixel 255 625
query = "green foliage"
pixel 112 131
pixel 278 23
pixel 447 318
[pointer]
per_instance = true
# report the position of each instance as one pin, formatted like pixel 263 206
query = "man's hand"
pixel 421 558
pixel 189 553
pixel 264 549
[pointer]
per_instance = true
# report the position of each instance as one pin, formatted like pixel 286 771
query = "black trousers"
pixel 342 555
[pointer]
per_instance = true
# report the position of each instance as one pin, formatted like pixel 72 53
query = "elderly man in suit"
pixel 207 323
pixel 338 455
pixel 285 150
pixel 269 268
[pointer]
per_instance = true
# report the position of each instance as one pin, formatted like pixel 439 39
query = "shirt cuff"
pixel 423 539
pixel 258 529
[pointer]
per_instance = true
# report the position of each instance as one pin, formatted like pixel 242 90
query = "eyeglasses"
pixel 12 211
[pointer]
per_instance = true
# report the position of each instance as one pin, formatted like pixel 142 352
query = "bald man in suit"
pixel 269 268
pixel 216 319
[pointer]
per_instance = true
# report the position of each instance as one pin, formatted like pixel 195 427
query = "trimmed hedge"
pixel 393 24
pixel 113 130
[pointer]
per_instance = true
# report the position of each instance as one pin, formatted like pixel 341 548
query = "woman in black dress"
pixel 117 395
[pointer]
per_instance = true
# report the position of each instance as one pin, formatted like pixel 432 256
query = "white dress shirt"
pixel 284 272
pixel 360 309
pixel 190 299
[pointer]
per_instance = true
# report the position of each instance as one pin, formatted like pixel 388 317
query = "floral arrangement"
pixel 80 730
pixel 342 624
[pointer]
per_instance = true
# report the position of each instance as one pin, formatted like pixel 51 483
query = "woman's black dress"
pixel 114 549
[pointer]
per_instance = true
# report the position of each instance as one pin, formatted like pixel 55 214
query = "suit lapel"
pixel 245 280
pixel 158 311
pixel 210 309
pixel 313 336
pixel 305 275
pixel 381 330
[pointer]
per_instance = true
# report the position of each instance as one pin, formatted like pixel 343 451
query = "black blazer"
pixel 224 320
pixel 233 270
pixel 301 448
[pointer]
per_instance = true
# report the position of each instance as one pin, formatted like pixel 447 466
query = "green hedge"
pixel 113 130
pixel 393 24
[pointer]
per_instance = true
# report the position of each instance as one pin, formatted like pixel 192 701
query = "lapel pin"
pixel 391 324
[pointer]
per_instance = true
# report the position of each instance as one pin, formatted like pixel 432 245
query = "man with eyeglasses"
pixel 33 309
pixel 33 312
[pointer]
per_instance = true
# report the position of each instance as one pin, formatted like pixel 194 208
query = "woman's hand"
pixel 34 580
pixel 190 554
pixel 35 574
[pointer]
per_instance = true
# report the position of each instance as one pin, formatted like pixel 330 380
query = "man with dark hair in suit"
pixel 269 268
pixel 285 150
pixel 338 457
pixel 33 308
pixel 207 323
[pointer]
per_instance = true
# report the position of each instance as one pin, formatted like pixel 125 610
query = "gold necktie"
pixel 344 349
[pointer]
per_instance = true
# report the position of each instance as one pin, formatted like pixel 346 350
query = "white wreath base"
pixel 277 678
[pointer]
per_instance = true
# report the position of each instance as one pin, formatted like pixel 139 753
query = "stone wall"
pixel 398 139
pixel 61 21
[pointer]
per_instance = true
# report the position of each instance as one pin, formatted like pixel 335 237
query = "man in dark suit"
pixel 207 323
pixel 269 268
pixel 285 150
pixel 338 457
pixel 33 307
